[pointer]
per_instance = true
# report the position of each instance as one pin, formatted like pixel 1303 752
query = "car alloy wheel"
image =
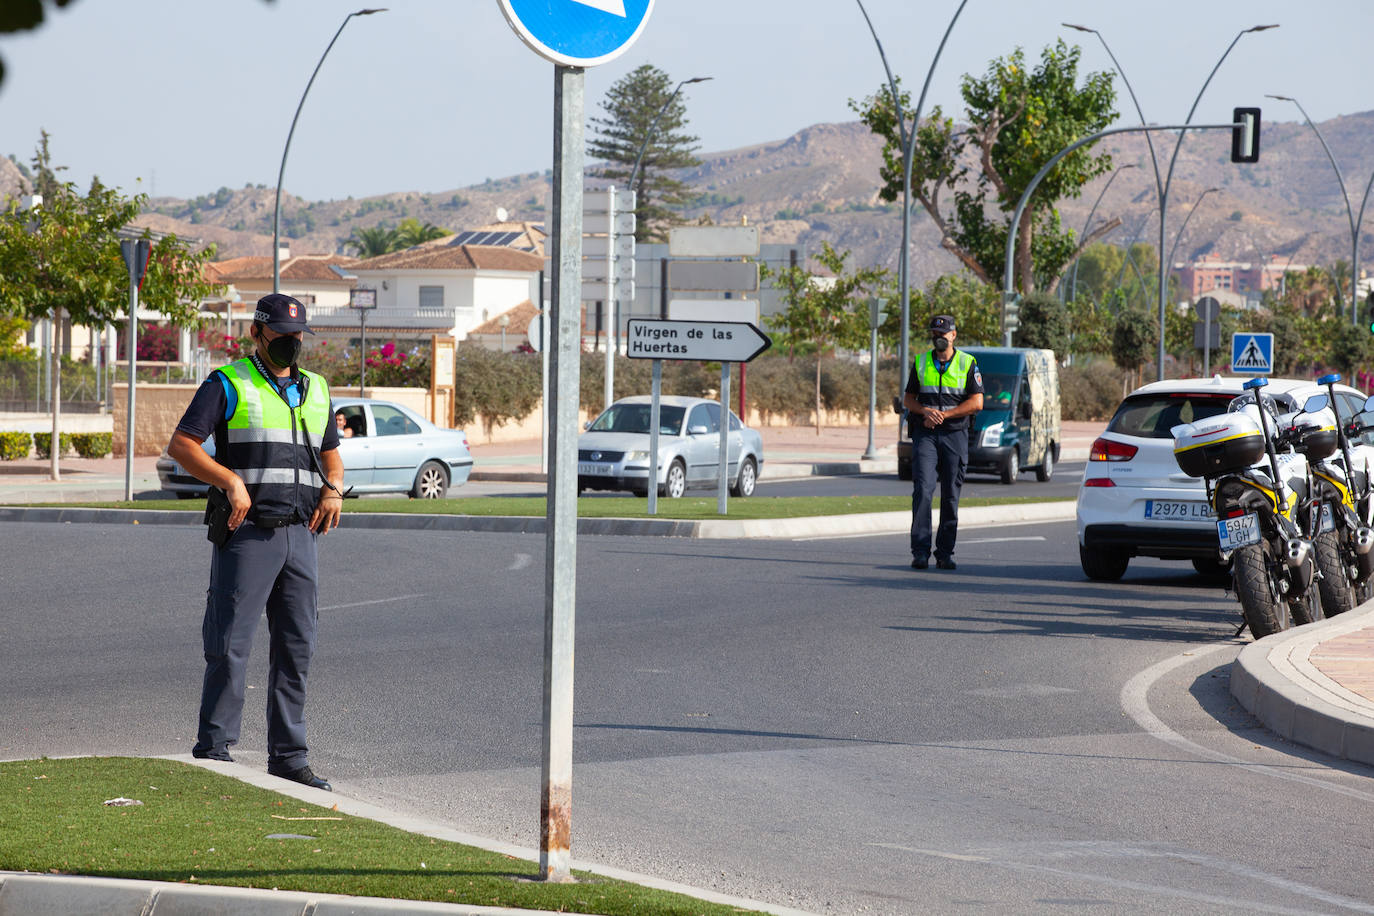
pixel 676 483
pixel 431 482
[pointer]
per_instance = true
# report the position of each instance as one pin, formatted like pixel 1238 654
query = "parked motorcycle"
pixel 1339 513
pixel 1256 483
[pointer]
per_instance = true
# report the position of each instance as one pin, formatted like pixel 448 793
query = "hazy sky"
pixel 181 97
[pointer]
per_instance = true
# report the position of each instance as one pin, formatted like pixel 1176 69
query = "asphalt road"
pixel 808 722
pixel 1064 484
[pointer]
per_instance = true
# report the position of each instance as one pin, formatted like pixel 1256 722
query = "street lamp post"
pixel 276 210
pixel 649 134
pixel 1073 282
pixel 908 139
pixel 1162 185
pixel 1349 211
pixel 1181 229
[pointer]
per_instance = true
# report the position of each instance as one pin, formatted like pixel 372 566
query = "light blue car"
pixel 385 447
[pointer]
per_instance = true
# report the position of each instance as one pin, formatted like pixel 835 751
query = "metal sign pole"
pixel 362 352
pixel 609 322
pixel 655 410
pixel 133 378
pixel 560 566
pixel 723 462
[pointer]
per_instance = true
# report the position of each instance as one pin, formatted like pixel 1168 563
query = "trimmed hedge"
pixel 42 442
pixel 14 446
pixel 93 445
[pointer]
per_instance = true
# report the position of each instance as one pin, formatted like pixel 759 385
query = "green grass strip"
pixel 688 509
pixel 196 826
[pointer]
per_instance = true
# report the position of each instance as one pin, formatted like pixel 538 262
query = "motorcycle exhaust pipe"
pixel 1364 540
pixel 1296 551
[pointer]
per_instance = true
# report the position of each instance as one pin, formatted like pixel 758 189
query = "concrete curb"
pixel 1275 680
pixel 708 529
pixel 25 894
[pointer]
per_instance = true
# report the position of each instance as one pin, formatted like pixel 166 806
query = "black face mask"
pixel 283 351
pixel 941 344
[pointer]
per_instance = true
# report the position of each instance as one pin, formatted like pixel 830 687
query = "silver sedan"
pixel 385 447
pixel 613 454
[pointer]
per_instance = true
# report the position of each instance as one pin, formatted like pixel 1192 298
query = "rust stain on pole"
pixel 555 832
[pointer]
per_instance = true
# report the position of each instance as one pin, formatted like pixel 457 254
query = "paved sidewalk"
pixel 1314 684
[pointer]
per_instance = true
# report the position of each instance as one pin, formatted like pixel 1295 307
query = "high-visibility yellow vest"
pixel 267 445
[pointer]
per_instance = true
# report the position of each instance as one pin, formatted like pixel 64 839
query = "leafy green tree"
pixel 12 338
pixel 642 105
pixel 1018 118
pixel 61 260
pixel 1134 338
pixel 822 313
pixel 1044 323
pixel 1351 349
pixel 976 307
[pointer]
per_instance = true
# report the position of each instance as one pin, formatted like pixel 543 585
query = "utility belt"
pixel 275 521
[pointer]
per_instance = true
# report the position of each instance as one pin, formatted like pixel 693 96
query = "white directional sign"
pixel 706 341
pixel 577 33
pixel 1252 353
pixel 714 310
pixel 713 241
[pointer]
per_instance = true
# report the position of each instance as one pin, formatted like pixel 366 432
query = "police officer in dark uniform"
pixel 943 391
pixel 277 463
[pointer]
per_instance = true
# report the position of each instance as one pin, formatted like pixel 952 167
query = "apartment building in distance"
pixel 1245 279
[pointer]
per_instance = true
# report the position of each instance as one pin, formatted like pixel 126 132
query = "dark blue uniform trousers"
pixel 272 568
pixel 936 455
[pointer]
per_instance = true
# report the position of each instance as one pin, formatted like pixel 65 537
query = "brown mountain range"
pixel 821 184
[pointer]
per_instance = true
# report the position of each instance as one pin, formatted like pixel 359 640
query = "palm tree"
pixel 411 233
pixel 370 243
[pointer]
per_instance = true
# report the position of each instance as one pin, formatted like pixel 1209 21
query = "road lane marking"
pixel 1135 703
pixel 1038 537
pixel 1125 850
pixel 340 607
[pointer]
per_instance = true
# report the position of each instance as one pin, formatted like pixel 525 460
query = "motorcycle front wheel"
pixel 1258 590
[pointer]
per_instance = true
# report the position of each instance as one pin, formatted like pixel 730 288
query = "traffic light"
pixel 1245 136
pixel 1011 313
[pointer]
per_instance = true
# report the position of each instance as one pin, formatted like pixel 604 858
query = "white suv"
pixel 1136 501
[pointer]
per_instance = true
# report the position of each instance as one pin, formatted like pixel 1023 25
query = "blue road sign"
pixel 577 33
pixel 1252 353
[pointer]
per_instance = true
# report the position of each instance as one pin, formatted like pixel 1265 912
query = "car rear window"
pixel 1152 416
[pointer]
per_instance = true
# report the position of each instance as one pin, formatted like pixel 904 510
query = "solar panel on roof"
pixel 462 237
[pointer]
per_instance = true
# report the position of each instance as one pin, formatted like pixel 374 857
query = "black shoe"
pixel 305 776
pixel 945 563
pixel 212 755
pixel 920 564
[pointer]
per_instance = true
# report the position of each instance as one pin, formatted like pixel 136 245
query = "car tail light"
pixel 1098 482
pixel 1110 450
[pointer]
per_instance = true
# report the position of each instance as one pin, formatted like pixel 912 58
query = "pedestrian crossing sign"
pixel 1252 353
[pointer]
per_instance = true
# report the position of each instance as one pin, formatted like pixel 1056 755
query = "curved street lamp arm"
pixel 908 140
pixel 1181 229
pixel 1073 282
pixel 653 126
pixel 1149 141
pixel 1349 210
pixel 276 209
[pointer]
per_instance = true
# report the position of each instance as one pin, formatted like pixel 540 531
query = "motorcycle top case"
pixel 1317 437
pixel 1219 445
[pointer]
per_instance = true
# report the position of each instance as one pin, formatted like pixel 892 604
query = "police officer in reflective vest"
pixel 943 391
pixel 277 462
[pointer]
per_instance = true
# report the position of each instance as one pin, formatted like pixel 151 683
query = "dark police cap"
pixel 941 324
pixel 282 313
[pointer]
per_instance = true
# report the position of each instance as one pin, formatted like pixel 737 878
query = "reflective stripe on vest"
pixel 265 446
pixel 943 385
